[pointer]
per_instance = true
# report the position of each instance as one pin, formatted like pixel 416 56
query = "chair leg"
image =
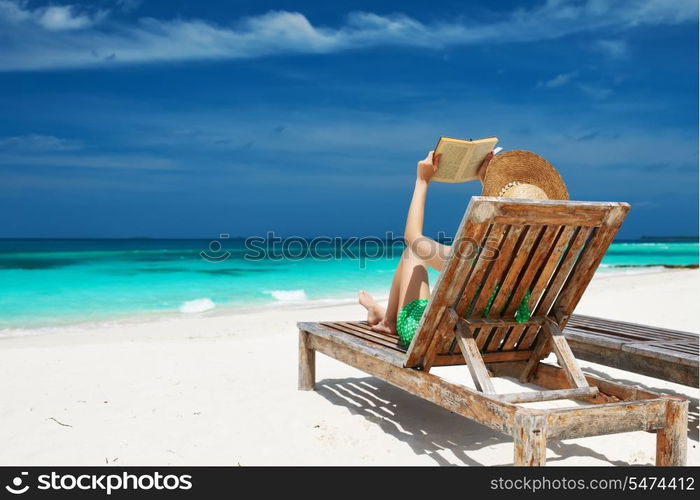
pixel 530 439
pixel 672 440
pixel 307 363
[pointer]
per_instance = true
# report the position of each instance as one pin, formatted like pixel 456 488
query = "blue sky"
pixel 126 118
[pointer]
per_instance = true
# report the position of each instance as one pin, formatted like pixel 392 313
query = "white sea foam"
pixel 288 295
pixel 197 305
pixel 606 270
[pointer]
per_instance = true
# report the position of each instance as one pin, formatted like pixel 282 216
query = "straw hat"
pixel 523 174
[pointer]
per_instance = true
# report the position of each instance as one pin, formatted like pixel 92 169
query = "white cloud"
pixel 15 14
pixel 128 5
pixel 126 161
pixel 65 18
pixel 70 37
pixel 37 142
pixel 595 91
pixel 558 81
pixel 49 150
pixel 614 49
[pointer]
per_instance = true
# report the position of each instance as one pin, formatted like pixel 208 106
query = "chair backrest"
pixel 507 252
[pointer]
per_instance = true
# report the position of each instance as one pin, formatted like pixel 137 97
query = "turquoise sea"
pixel 59 282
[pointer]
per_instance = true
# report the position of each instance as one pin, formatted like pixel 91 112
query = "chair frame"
pixel 551 248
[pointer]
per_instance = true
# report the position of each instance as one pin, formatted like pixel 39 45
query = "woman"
pixel 515 174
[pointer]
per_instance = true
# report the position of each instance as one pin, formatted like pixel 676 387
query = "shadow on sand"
pixel 425 427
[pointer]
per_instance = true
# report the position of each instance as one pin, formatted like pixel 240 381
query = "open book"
pixel 461 158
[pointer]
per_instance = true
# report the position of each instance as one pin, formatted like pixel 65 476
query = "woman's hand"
pixel 427 167
pixel 481 173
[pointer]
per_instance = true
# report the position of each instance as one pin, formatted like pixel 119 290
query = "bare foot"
pixel 375 312
pixel 384 327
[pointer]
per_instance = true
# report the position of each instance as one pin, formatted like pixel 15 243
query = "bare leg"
pixel 410 283
pixel 375 312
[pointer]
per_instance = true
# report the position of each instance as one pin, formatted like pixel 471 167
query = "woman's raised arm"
pixel 426 248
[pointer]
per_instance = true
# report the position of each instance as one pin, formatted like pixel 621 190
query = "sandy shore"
pixel 221 389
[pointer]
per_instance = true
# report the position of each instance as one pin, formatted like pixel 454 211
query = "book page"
pixel 460 158
pixel 479 151
pixel 453 155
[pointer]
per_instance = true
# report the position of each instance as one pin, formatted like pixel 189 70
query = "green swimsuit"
pixel 410 314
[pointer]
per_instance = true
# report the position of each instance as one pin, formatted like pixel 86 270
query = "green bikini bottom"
pixel 410 314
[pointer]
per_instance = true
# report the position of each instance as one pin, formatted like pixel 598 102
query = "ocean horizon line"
pixel 641 239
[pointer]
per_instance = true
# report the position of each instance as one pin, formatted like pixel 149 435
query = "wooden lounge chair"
pixel 551 249
pixel 656 352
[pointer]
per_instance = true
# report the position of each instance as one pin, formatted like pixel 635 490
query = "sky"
pixel 180 118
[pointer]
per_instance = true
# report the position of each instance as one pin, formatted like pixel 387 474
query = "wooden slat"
pixel 607 341
pixel 488 357
pixel 364 329
pixel 531 271
pixel 560 274
pixel 587 264
pixel 514 272
pixel 564 355
pixel 449 346
pixel 607 418
pixel 532 267
pixel 497 274
pixel 370 338
pixel 522 253
pixel 538 289
pixel 524 245
pixel 560 245
pixel 492 342
pixel 666 349
pixel 581 319
pixel 513 335
pixel 660 352
pixel 633 332
pixel 474 285
pixel 498 322
pixel 549 212
pixel 387 355
pixel 540 351
pixel 500 357
pixel 553 395
pixel 472 356
pixel 674 371
pixel 449 360
pixel 444 331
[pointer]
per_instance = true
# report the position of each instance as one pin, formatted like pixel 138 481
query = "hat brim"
pixel 525 167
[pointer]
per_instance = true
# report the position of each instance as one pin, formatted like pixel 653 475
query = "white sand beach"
pixel 221 389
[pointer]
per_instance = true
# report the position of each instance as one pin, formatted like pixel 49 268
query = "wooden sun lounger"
pixel 552 249
pixel 657 352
